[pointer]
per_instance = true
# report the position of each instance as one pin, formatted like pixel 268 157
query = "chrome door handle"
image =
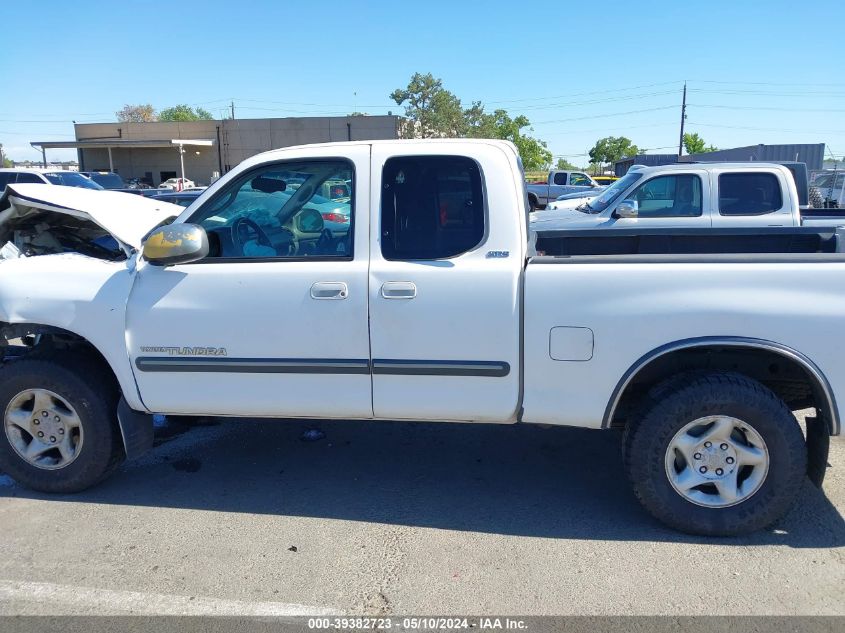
pixel 398 290
pixel 329 290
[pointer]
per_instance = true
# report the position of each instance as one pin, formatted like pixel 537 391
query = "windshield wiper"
pixel 586 208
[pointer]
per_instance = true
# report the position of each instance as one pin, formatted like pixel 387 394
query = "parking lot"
pixel 243 517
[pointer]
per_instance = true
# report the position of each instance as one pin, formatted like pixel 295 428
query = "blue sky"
pixel 757 72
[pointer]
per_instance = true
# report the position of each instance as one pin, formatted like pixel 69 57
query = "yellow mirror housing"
pixel 175 244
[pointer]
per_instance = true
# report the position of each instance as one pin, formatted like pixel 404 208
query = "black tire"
pixel 92 391
pixel 673 405
pixel 532 203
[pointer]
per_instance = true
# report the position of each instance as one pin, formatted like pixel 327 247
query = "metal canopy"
pixel 118 143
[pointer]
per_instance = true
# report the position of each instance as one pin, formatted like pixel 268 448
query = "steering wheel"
pixel 241 229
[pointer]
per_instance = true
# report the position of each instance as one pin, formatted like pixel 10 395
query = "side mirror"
pixel 175 244
pixel 628 209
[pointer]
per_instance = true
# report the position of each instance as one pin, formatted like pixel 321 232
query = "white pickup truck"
pixel 703 195
pixel 432 306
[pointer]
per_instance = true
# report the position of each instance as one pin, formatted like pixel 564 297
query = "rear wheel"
pixel 60 428
pixel 717 455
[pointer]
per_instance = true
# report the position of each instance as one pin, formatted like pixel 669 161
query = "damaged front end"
pixel 47 232
pixel 50 219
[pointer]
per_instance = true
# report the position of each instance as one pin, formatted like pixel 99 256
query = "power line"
pixel 727 107
pixel 603 116
pixel 761 93
pixel 593 92
pixel 767 129
pixel 764 83
pixel 610 129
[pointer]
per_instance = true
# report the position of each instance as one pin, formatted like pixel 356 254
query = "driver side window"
pixel 669 197
pixel 290 210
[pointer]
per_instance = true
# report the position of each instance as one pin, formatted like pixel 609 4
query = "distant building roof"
pixel 810 153
pixel 621 167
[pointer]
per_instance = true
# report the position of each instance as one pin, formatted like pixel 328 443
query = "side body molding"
pixel 728 341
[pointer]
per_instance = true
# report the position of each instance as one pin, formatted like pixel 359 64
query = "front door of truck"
pixel 274 321
pixel 444 285
pixel 679 199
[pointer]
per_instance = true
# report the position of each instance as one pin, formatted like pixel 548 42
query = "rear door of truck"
pixel 444 286
pixel 752 197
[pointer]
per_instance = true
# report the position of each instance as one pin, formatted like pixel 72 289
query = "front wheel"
pixel 719 455
pixel 59 418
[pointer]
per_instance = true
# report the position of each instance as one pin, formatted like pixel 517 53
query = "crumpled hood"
pixel 127 217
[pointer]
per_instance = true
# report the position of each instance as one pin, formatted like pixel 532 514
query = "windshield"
pixel 108 181
pixel 71 179
pixel 609 195
pixel 826 180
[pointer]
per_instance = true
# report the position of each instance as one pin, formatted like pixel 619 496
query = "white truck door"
pixel 677 199
pixel 752 197
pixel 274 321
pixel 446 259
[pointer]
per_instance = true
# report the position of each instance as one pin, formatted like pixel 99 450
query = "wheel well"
pixel 27 339
pixel 793 379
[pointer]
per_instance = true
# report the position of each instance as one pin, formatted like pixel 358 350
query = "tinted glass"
pixel 669 197
pixel 432 207
pixel 71 179
pixel 108 181
pixel 826 180
pixel 5 178
pixel 560 178
pixel 609 195
pixel 749 194
pixel 24 177
pixel 276 212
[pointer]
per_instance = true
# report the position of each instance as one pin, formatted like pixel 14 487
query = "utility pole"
pixel 233 110
pixel 683 118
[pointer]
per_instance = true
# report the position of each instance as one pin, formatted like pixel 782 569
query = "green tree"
pixel 431 111
pixel 612 148
pixel 184 112
pixel 564 164
pixel 142 113
pixel 500 125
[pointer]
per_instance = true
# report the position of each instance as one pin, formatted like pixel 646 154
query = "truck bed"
pixel 704 241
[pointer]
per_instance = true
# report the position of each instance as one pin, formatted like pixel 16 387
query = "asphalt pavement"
pixel 244 517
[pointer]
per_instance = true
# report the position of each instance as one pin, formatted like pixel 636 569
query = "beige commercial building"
pixel 151 151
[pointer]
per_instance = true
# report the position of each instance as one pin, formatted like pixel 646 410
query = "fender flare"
pixel 136 428
pixel 808 365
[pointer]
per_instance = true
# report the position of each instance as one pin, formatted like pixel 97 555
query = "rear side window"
pixel 749 194
pixel 24 177
pixel 431 207
pixel 6 178
pixel 560 178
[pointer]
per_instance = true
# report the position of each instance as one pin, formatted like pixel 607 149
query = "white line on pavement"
pixel 72 600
